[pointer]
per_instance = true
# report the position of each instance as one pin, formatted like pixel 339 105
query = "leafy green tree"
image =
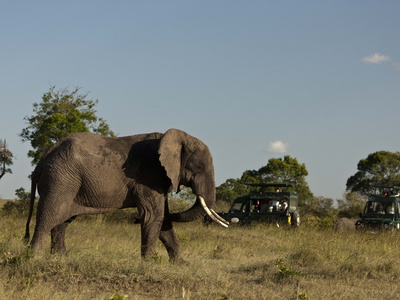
pixel 283 170
pixel 5 159
pixel 277 170
pixel 288 170
pixel 381 168
pixel 231 189
pixel 251 176
pixel 60 113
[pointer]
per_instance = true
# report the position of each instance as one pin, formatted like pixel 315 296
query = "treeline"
pixel 315 210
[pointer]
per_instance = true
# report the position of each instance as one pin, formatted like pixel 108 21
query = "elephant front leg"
pixel 171 242
pixel 154 227
pixel 150 233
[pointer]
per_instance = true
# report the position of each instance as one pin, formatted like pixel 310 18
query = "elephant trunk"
pixel 200 208
pixel 193 213
pixel 202 186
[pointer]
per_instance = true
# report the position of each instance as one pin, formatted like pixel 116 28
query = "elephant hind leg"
pixel 50 218
pixel 58 238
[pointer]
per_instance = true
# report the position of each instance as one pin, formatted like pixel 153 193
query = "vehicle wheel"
pixel 295 219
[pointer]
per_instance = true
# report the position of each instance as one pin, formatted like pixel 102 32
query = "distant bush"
pixel 15 207
pixel 312 221
pixel 351 205
pixel 19 207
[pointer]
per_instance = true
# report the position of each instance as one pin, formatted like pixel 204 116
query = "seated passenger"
pixel 380 209
pixel 284 205
pixel 257 206
pixel 275 205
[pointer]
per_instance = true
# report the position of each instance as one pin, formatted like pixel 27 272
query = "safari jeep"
pixel 269 207
pixel 381 212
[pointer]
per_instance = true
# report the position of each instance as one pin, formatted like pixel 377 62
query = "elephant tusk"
pixel 219 217
pixel 208 211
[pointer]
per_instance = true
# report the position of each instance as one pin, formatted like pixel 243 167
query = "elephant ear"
pixel 170 152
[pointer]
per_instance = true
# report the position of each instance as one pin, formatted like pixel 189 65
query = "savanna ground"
pixel 257 262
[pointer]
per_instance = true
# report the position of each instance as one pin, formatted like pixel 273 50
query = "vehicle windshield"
pixel 238 207
pixel 375 207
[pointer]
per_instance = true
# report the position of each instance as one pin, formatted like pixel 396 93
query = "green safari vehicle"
pixel 277 207
pixel 382 211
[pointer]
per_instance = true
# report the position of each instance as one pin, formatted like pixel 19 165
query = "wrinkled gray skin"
pixel 86 173
pixel 345 224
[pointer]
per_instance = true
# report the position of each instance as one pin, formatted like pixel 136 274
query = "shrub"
pixel 18 207
pixel 15 208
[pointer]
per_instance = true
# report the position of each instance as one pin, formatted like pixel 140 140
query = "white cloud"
pixel 277 147
pixel 375 58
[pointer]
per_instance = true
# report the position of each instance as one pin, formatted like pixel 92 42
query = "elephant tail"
pixel 31 205
pixel 198 210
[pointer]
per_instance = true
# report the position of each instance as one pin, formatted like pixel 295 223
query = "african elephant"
pixel 85 173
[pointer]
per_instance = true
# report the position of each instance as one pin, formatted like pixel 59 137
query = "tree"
pixel 5 159
pixel 230 190
pixel 288 170
pixel 277 170
pixel 60 113
pixel 381 168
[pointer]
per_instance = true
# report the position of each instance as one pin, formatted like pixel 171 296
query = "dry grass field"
pixel 258 262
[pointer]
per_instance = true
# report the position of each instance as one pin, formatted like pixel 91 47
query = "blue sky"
pixel 316 80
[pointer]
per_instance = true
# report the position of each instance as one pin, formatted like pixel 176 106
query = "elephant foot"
pixel 60 253
pixel 151 258
pixel 178 261
pixel 58 250
pixel 173 260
